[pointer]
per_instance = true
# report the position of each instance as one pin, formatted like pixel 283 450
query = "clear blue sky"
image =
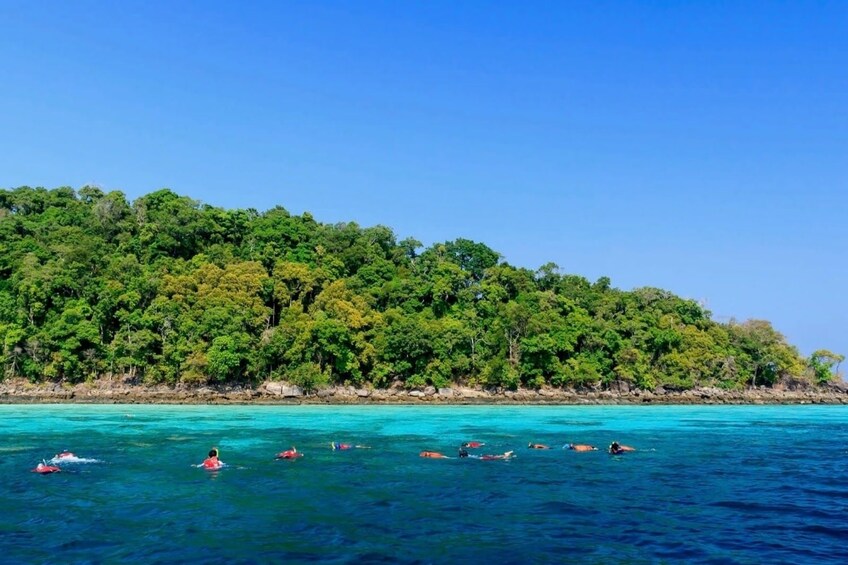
pixel 697 147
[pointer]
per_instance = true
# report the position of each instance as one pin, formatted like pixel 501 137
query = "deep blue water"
pixel 708 484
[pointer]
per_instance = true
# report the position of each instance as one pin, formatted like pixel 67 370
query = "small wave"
pixel 14 449
pixel 827 493
pixel 557 507
pixel 774 509
pixel 837 533
pixel 86 545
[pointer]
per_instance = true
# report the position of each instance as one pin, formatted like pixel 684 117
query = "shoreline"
pixel 279 393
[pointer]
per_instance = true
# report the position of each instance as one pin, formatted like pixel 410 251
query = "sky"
pixel 699 147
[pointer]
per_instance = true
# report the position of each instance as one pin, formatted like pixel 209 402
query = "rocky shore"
pixel 272 392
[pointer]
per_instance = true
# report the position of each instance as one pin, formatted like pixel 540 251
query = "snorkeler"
pixel 472 444
pixel 336 446
pixel 292 453
pixel 432 455
pixel 212 462
pixel 537 446
pixel 579 447
pixel 44 469
pixel 64 455
pixel 616 448
pixel 506 455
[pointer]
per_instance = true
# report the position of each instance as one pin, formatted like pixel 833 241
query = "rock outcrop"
pixel 276 392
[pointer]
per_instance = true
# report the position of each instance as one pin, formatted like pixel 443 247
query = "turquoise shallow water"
pixel 709 484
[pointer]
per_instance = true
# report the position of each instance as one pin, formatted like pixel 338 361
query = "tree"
pixel 169 289
pixel 296 282
pixel 766 351
pixel 472 257
pixel 822 363
pixel 226 356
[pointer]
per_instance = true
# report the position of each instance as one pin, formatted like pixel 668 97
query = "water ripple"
pixel 708 485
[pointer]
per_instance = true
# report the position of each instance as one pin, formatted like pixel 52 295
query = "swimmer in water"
pixel 579 447
pixel 537 446
pixel 472 444
pixel 616 448
pixel 432 455
pixel 506 455
pixel 212 461
pixel 336 446
pixel 44 469
pixel 292 453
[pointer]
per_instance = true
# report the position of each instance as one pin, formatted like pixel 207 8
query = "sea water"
pixel 760 484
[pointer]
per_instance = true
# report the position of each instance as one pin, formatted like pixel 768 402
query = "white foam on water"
pixel 72 459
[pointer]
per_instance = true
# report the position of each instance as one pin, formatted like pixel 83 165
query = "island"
pixel 166 299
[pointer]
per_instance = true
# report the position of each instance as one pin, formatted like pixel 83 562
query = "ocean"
pixel 707 484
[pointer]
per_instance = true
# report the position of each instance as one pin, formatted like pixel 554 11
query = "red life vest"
pixel 43 469
pixel 212 463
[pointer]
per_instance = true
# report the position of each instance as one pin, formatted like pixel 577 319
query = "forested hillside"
pixel 171 290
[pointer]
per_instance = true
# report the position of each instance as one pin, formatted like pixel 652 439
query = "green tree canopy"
pixel 169 289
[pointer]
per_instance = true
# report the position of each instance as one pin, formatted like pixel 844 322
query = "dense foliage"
pixel 167 289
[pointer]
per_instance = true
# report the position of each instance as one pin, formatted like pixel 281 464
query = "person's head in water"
pixel 614 445
pixel 213 452
pixel 463 453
